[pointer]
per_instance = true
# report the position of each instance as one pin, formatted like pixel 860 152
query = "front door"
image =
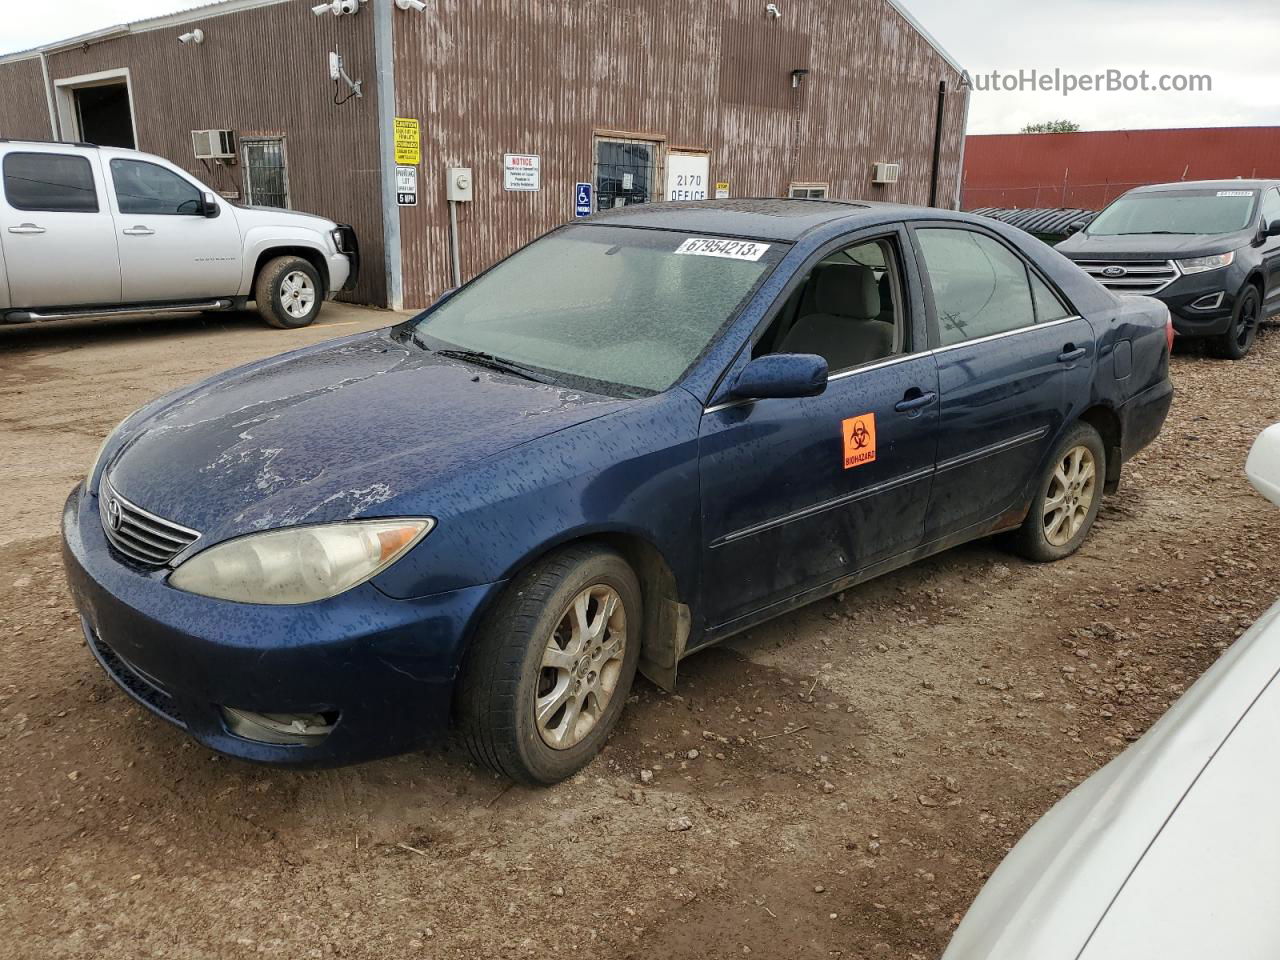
pixel 1271 248
pixel 797 493
pixel 1013 362
pixel 59 240
pixel 626 172
pixel 168 249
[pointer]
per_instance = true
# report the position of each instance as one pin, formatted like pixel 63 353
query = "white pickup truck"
pixel 90 231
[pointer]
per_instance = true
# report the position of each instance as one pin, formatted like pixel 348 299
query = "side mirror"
pixel 781 375
pixel 1271 229
pixel 1263 465
pixel 209 205
pixel 1074 228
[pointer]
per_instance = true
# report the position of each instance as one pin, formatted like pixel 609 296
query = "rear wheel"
pixel 548 674
pixel 1067 499
pixel 289 292
pixel 1238 340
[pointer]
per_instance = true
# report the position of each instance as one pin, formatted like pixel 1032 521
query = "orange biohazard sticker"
pixel 859 440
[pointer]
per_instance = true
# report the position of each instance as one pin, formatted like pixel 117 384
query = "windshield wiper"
pixel 1155 233
pixel 488 360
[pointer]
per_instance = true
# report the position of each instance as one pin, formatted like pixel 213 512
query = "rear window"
pixel 56 182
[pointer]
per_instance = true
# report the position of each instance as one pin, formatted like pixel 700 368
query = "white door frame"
pixel 65 97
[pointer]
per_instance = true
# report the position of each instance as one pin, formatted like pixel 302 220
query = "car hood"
pixel 329 433
pixel 253 216
pixel 1152 246
pixel 1061 879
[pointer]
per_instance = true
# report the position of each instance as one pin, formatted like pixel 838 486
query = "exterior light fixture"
pixel 771 9
pixel 195 36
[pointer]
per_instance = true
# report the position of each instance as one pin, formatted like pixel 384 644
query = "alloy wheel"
pixel 1248 321
pixel 297 294
pixel 1070 497
pixel 580 668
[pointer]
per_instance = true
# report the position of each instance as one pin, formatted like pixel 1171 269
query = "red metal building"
pixel 1091 169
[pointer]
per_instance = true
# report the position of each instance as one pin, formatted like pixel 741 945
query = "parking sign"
pixel 582 204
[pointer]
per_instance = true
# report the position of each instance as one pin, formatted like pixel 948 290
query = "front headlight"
pixel 336 236
pixel 299 564
pixel 1205 264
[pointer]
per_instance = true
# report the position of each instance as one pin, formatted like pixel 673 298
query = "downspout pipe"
pixel 48 95
pixel 384 59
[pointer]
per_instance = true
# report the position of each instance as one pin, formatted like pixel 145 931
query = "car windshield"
pixel 1176 211
pixel 621 310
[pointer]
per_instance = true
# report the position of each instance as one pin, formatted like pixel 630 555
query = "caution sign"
pixel 859 441
pixel 722 190
pixel 408 141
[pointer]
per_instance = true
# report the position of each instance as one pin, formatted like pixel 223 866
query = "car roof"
pixel 1207 185
pixel 761 218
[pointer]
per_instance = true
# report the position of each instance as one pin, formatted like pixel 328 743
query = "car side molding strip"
pixel 984 452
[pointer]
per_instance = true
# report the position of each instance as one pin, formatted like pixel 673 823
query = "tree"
pixel 1052 126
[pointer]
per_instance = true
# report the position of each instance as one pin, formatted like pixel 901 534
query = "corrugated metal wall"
pixel 1091 169
pixel 489 77
pixel 24 108
pixel 261 71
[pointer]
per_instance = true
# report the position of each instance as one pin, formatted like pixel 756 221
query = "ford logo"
pixel 1114 272
pixel 113 514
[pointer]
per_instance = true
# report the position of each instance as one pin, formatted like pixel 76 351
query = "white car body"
pixel 56 263
pixel 1171 851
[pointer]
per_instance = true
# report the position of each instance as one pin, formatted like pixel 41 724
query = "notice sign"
pixel 582 200
pixel 687 175
pixel 521 171
pixel 722 190
pixel 859 440
pixel 407 186
pixel 408 140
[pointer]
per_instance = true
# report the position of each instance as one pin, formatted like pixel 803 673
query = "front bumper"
pixel 351 250
pixel 385 667
pixel 1193 321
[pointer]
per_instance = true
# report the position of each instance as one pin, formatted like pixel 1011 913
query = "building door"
pixel 266 175
pixel 96 108
pixel 626 171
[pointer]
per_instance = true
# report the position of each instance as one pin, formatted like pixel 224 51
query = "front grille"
pixel 140 536
pixel 137 684
pixel 1140 277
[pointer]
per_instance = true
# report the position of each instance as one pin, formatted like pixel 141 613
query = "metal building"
pixel 509 106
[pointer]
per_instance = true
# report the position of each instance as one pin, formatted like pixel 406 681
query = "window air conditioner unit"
pixel 213 144
pixel 886 172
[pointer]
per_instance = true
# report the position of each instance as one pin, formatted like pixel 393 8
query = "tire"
pixel 288 292
pixel 504 677
pixel 1238 340
pixel 1042 537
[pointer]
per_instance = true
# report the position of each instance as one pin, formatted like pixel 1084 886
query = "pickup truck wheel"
pixel 548 674
pixel 1238 340
pixel 1067 498
pixel 289 292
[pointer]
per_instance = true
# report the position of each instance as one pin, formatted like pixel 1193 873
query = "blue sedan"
pixel 636 436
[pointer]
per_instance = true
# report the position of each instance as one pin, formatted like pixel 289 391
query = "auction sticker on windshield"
pixel 1235 193
pixel 729 249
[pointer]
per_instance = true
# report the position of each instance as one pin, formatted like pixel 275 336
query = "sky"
pixel 1236 44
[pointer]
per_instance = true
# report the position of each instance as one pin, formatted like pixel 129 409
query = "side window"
pixel 848 310
pixel 980 288
pixel 146 188
pixel 1271 206
pixel 55 182
pixel 1049 305
pixel 808 191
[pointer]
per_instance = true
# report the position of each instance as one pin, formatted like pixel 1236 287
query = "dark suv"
pixel 1210 250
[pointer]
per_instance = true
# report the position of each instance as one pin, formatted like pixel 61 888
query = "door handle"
pixel 138 231
pixel 1070 353
pixel 26 228
pixel 914 400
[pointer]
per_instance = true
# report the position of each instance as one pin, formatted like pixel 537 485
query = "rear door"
pixel 169 250
pixel 59 241
pixel 797 493
pixel 1013 363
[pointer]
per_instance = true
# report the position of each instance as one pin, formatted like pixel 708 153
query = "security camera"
pixel 196 36
pixel 417 6
pixel 338 8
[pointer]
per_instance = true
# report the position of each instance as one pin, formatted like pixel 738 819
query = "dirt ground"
pixel 836 784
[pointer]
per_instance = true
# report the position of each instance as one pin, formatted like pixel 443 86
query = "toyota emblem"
pixel 113 514
pixel 1114 272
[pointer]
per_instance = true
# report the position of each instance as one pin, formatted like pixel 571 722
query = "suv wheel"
pixel 1238 340
pixel 288 292
pixel 549 672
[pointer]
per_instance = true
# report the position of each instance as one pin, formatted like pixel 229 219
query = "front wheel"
pixel 548 674
pixel 288 292
pixel 1238 340
pixel 1067 498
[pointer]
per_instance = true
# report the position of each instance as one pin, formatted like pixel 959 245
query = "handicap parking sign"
pixel 582 206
